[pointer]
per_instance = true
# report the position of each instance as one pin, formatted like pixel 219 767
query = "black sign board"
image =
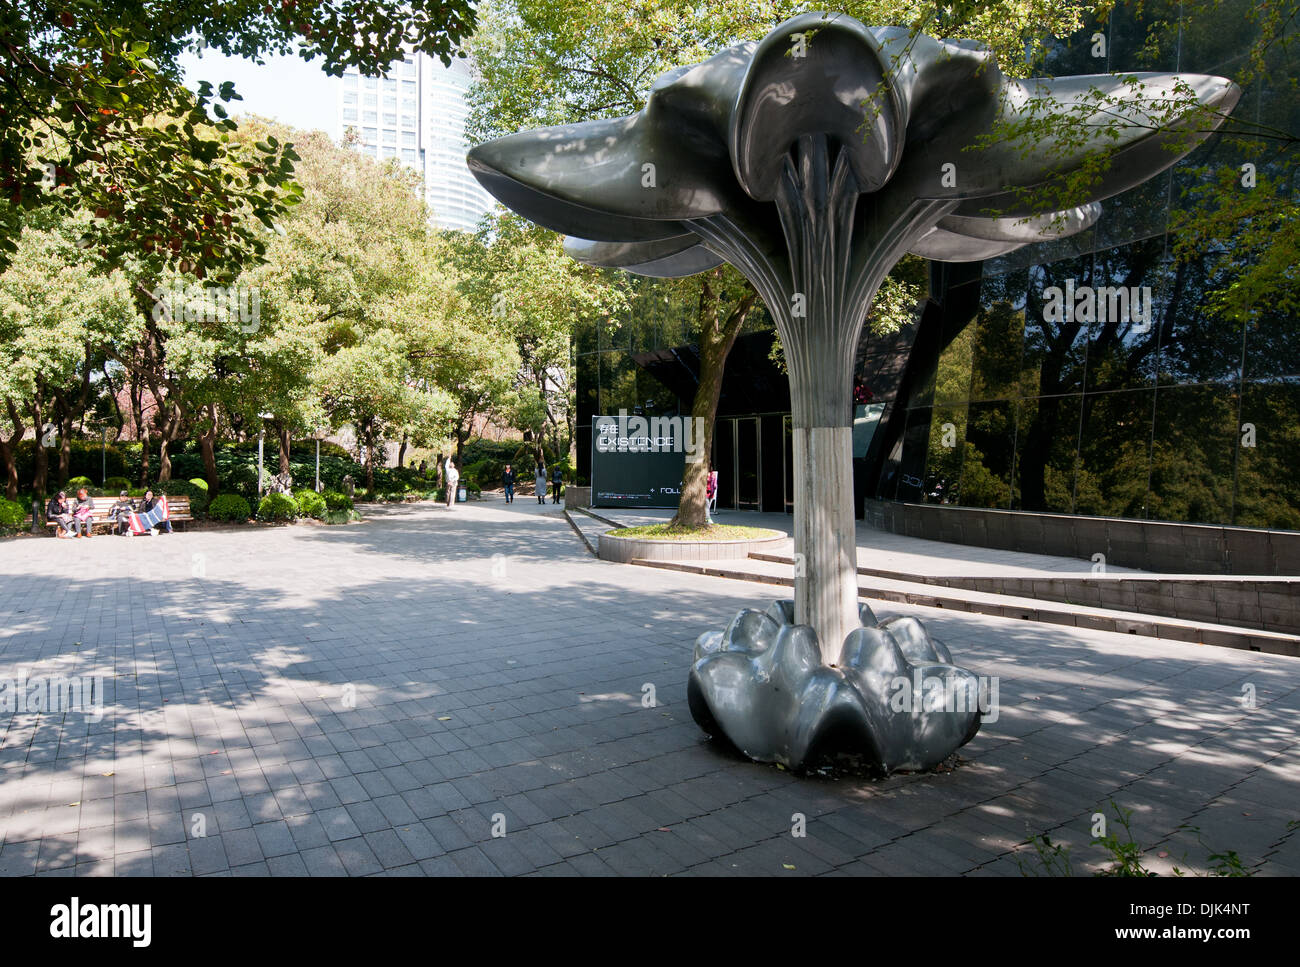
pixel 637 462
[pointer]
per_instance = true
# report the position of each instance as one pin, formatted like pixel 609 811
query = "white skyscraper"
pixel 417 115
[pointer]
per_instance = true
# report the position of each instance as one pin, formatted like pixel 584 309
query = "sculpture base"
pixel 894 698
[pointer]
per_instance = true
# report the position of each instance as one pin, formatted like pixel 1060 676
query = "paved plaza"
pixel 466 692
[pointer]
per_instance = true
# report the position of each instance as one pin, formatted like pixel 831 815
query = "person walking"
pixel 508 482
pixel 557 483
pixel 539 483
pixel 711 495
pixel 452 476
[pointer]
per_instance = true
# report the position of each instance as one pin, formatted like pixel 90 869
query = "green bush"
pixel 115 485
pixel 12 514
pixel 310 503
pixel 340 516
pixel 76 483
pixel 198 493
pixel 277 507
pixel 230 507
pixel 337 501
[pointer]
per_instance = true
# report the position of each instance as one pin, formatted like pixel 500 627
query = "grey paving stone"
pixel 585 781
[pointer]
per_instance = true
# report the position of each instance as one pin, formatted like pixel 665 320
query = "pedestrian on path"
pixel 508 481
pixel 452 476
pixel 539 483
pixel 557 483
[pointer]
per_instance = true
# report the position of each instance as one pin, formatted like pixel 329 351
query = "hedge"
pixel 277 507
pixel 230 507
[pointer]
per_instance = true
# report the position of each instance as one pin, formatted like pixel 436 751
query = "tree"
pixel 519 282
pixel 84 81
pixel 59 317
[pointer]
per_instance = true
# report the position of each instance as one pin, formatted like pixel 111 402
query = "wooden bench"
pixel 179 507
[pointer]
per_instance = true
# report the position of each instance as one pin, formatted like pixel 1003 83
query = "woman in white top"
pixel 452 477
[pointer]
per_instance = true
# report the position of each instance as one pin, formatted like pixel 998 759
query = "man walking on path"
pixel 508 481
pixel 453 479
pixel 557 483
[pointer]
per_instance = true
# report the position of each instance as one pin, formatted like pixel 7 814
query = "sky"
pixel 286 88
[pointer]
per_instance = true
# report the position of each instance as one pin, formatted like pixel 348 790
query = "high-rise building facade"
pixel 416 115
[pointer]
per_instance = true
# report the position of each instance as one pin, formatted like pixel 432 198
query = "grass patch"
pixel 713 532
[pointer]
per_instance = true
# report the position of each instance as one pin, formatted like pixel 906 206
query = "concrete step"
pixel 587 526
pixel 1258 603
pixel 1008 606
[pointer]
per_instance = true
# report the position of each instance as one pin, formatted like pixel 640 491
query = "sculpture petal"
pixel 991 179
pixel 669 258
pixel 959 238
pixel 628 179
pixel 762 686
pixel 813 74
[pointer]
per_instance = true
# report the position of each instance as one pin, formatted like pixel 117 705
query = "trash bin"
pixel 462 495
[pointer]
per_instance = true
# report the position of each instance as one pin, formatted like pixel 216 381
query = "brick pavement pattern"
pixel 381 698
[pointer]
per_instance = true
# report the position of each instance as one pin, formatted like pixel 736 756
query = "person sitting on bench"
pixel 83 514
pixel 120 513
pixel 148 504
pixel 58 511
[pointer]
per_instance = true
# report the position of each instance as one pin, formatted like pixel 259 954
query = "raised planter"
pixel 621 550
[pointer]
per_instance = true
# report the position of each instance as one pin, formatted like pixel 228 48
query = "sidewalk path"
pixel 381 697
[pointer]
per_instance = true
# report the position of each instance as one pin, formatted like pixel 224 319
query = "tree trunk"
pixel 141 431
pixel 7 450
pixel 401 451
pixel 716 340
pixel 169 432
pixel 284 435
pixel 41 461
pixel 208 451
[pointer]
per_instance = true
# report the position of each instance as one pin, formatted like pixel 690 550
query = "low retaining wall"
pixel 621 550
pixel 1151 545
pixel 575 497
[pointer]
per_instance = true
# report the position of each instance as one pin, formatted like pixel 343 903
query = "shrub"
pixel 198 494
pixel 277 507
pixel 12 514
pixel 310 503
pixel 337 501
pixel 76 483
pixel 340 516
pixel 230 507
pixel 115 485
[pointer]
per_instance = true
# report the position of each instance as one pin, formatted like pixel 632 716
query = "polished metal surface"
pixel 894 697
pixel 812 161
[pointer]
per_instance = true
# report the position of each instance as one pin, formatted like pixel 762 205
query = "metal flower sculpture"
pixel 812 161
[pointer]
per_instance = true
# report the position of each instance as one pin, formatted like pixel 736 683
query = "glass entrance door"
pixel 749 479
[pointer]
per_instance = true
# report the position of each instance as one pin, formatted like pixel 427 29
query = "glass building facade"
pixel 1169 411
pixel 417 115
pixel 1149 403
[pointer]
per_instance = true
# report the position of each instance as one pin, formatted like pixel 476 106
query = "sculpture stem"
pixel 826 572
